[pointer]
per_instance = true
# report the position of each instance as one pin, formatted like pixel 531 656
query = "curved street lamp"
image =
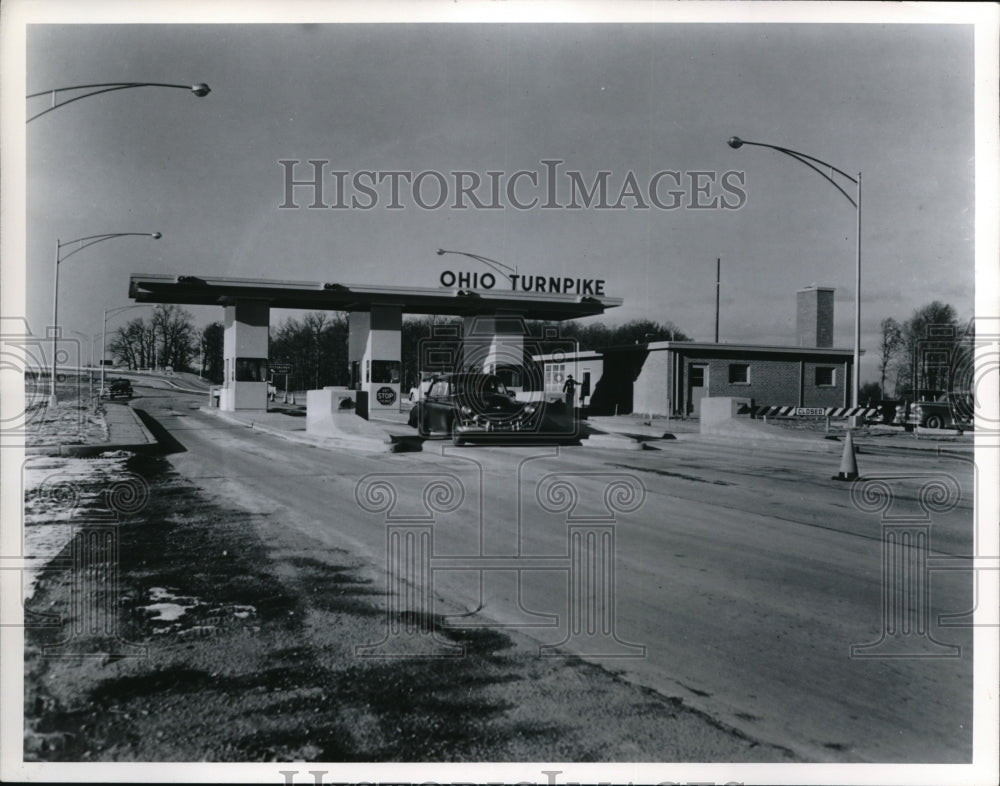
pixel 90 366
pixel 200 90
pixel 504 270
pixel 736 143
pixel 84 242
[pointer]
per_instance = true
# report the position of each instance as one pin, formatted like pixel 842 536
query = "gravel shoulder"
pixel 250 632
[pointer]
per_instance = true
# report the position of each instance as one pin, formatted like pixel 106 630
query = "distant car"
pixel 883 412
pixel 118 388
pixel 938 413
pixel 475 406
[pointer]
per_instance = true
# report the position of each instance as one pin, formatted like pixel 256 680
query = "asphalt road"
pixel 742 576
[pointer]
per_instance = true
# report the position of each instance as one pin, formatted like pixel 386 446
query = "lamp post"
pixel 736 143
pixel 200 90
pixel 504 270
pixel 90 365
pixel 104 332
pixel 84 242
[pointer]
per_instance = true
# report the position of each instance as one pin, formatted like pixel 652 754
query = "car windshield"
pixel 485 385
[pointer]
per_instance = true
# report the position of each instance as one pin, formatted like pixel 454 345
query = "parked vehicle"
pixel 117 388
pixel 885 411
pixel 474 406
pixel 417 392
pixel 934 412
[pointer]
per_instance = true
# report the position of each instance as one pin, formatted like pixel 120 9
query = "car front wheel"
pixel 935 421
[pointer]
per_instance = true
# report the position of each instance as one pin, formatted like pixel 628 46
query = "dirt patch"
pixel 77 418
pixel 234 639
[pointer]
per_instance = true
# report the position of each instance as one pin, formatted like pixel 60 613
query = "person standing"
pixel 569 388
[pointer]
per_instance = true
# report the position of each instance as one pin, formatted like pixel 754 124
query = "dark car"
pixel 932 413
pixel 475 406
pixel 883 412
pixel 118 388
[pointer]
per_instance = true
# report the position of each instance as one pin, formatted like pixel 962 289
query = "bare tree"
pixel 133 344
pixel 175 332
pixel 890 345
pixel 169 337
pixel 930 336
pixel 314 322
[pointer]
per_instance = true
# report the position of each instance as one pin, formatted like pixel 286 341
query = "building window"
pixel 385 371
pixel 251 369
pixel 826 376
pixel 739 373
pixel 555 373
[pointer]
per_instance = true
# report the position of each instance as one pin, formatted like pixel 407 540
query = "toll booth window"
pixel 739 373
pixel 439 389
pixel 825 377
pixel 251 369
pixel 510 375
pixel 386 371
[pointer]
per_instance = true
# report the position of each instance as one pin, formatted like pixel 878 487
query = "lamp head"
pixel 156 235
pixel 441 252
pixel 735 142
pixel 201 89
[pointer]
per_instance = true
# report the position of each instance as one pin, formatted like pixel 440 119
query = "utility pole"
pixel 718 270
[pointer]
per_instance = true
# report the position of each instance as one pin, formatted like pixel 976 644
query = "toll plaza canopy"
pixel 213 291
pixel 493 333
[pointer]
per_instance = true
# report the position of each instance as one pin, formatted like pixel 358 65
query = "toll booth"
pixel 494 344
pixel 494 328
pixel 374 355
pixel 245 373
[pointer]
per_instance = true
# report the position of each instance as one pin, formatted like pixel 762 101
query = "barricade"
pixel 783 411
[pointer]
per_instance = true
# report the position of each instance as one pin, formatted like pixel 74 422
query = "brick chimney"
pixel 814 317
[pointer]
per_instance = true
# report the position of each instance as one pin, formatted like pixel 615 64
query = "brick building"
pixel 672 377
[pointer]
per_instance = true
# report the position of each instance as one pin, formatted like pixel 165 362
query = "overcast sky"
pixel 893 101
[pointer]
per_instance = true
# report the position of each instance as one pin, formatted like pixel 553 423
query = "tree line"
pixel 167 338
pixel 928 354
pixel 315 345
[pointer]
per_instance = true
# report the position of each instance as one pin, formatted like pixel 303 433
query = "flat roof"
pixel 706 346
pixel 336 296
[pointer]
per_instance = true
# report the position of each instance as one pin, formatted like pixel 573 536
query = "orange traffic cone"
pixel 848 463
